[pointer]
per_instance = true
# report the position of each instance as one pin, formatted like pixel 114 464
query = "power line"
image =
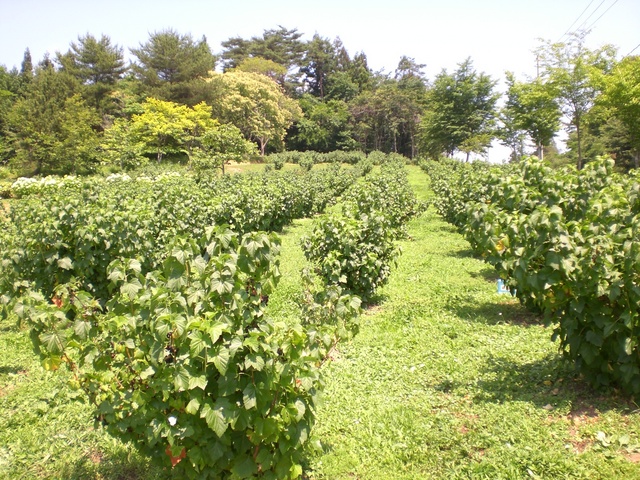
pixel 591 26
pixel 576 20
pixel 636 47
pixel 591 15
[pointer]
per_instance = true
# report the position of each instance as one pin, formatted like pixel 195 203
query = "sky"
pixel 498 35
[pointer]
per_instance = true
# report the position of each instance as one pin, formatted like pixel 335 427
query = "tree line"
pixel 87 107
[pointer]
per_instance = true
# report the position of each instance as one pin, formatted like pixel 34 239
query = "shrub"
pixel 354 253
pixel 306 163
pixel 365 167
pixel 377 157
pixel 183 363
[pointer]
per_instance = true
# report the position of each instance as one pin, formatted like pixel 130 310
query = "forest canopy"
pixel 90 106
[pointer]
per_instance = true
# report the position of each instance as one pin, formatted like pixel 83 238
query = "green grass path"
pixel 448 379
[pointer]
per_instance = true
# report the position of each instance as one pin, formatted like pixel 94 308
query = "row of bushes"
pixel 178 356
pixel 568 243
pixel 167 334
pixel 75 227
pixel 309 158
pixel 355 248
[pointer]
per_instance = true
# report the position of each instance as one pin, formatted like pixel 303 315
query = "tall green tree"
pixel 26 67
pixel 571 68
pixel 169 64
pixel 11 86
pixel 282 46
pixel 219 145
pixel 98 64
pixel 461 113
pixel 318 64
pixel 51 128
pixel 621 95
pixel 531 108
pixel 163 127
pixel 360 72
pixel 323 127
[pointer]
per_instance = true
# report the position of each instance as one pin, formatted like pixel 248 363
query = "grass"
pixel 446 379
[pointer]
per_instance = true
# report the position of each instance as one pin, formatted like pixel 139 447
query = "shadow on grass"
pixel 462 253
pixel 548 383
pixel 4 370
pixel 505 310
pixel 118 466
pixel 487 273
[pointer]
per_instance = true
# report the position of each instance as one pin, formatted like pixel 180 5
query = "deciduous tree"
pixel 570 68
pixel 256 105
pixel 621 94
pixel 461 113
pixel 531 108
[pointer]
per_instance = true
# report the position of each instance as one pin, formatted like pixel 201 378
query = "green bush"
pixel 567 242
pixel 306 163
pixel 183 363
pixel 5 190
pixel 377 157
pixel 355 254
pixel 278 161
pixel 5 173
pixel 365 166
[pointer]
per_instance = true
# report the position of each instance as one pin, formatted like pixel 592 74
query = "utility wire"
pixel 575 21
pixel 636 47
pixel 591 26
pixel 591 15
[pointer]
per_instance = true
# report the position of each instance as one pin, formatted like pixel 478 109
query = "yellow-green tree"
pixel 621 94
pixel 163 127
pixel 256 105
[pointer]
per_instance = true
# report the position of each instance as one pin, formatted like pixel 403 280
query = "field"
pixel 445 379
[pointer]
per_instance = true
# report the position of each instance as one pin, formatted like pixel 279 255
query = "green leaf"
pixel 300 408
pixel 181 379
pixel 629 344
pixel 249 396
pixel 221 361
pixel 244 467
pixel 131 289
pixel 198 382
pixel 51 363
pixel 147 372
pixel 255 361
pixel 193 406
pixel 215 418
pixel 53 342
pixel 82 328
pixel 65 263
pixel 215 331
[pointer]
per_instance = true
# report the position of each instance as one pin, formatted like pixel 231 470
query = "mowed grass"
pixel 446 379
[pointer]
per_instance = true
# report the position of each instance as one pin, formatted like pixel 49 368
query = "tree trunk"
pixel 578 134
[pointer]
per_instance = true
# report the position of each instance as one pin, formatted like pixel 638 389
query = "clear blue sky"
pixel 498 35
